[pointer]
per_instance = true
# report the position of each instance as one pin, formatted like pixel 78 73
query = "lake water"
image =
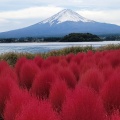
pixel 46 47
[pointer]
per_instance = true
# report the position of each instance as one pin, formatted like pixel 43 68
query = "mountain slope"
pixel 62 23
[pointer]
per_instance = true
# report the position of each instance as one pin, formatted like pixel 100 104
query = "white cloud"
pixel 32 12
pixel 90 4
pixel 10 20
pixel 3 21
pixel 105 16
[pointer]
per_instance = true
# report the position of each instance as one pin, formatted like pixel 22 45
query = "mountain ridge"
pixel 61 24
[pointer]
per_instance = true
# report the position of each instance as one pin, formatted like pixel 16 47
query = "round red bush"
pixel 83 104
pixel 58 94
pixel 28 71
pixel 111 93
pixel 42 83
pixel 93 78
pixel 37 110
pixel 13 106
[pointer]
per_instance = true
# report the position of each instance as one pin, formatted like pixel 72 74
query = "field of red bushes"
pixel 83 86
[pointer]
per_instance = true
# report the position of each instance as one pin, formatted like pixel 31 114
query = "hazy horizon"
pixel 19 13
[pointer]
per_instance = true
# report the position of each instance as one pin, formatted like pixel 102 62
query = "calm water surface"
pixel 46 47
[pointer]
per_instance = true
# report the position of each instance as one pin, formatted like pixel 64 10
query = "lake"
pixel 46 47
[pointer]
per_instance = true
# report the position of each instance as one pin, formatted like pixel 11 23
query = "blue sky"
pixel 16 14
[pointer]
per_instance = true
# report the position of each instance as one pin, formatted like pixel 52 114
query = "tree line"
pixel 72 37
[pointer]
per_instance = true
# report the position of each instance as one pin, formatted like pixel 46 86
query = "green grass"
pixel 12 57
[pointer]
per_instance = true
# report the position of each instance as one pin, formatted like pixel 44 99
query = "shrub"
pixel 6 70
pixel 78 58
pixel 83 104
pixel 86 64
pixel 67 75
pixel 55 68
pixel 42 83
pixel 37 110
pixel 46 64
pixel 98 56
pixel 107 72
pixel 28 71
pixel 17 99
pixel 92 78
pixel 111 93
pixel 53 59
pixel 69 57
pixel 75 69
pixel 38 60
pixel 63 62
pixel 19 64
pixel 3 65
pixel 103 63
pixel 114 57
pixel 58 94
pixel 115 116
pixel 6 85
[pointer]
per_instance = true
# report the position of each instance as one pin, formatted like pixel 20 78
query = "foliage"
pixel 75 86
pixel 80 37
pixel 83 105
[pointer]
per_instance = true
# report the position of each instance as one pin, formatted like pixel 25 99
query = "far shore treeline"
pixel 72 37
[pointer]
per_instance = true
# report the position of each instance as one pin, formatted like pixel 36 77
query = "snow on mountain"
pixel 65 15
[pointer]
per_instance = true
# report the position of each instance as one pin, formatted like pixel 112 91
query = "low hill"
pixel 80 37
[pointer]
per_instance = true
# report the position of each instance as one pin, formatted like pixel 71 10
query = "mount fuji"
pixel 63 23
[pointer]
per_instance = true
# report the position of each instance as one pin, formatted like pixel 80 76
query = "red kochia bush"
pixel 42 83
pixel 10 73
pixel 17 99
pixel 53 59
pixel 7 72
pixel 107 72
pixel 38 60
pixel 46 64
pixel 75 69
pixel 63 62
pixel 19 64
pixel 69 57
pixel 78 58
pixel 67 75
pixel 114 57
pixel 92 78
pixel 115 116
pixel 55 68
pixel 37 110
pixel 111 93
pixel 86 64
pixel 58 94
pixel 83 104
pixel 3 65
pixel 28 71
pixel 6 84
pixel 103 63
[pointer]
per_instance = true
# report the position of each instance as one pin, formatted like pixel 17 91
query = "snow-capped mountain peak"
pixel 65 15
